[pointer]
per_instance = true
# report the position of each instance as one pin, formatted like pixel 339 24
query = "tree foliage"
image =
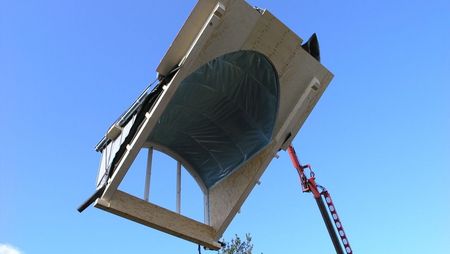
pixel 238 246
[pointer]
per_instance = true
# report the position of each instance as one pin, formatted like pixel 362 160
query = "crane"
pixel 325 204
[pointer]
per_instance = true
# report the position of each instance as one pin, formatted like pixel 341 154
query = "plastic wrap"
pixel 221 114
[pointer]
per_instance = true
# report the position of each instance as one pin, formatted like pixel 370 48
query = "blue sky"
pixel 378 139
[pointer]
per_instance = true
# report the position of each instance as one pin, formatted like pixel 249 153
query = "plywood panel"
pixel 272 38
pixel 186 35
pixel 227 196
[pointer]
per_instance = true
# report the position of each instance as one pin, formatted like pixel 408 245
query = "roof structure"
pixel 235 87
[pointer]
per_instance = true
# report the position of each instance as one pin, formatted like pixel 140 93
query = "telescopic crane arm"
pixel 324 201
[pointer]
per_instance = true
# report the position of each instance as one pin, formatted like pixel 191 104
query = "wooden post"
pixel 148 174
pixel 178 187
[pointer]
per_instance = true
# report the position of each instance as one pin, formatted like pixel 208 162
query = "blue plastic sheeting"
pixel 221 114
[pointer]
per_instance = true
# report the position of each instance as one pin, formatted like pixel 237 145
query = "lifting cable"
pixel 330 216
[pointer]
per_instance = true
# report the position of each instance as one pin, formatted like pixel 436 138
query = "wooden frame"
pixel 215 28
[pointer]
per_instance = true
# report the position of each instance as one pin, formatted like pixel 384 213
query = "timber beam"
pixel 140 211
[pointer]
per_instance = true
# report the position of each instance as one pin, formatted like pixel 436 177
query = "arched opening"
pixel 163 180
pixel 221 115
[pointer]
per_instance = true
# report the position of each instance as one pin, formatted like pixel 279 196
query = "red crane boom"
pixel 324 201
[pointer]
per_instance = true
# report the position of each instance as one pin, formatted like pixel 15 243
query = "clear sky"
pixel 379 137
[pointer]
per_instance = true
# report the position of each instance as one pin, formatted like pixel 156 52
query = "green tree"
pixel 238 246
